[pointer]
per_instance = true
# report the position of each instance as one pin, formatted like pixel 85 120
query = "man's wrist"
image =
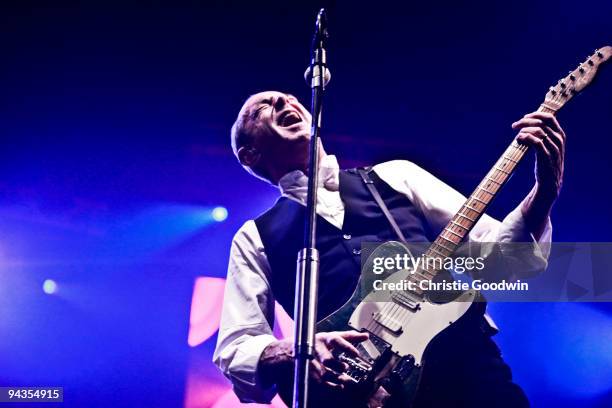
pixel 544 197
pixel 275 361
pixel 536 209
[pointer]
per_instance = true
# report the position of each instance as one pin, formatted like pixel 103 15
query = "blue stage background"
pixel 115 166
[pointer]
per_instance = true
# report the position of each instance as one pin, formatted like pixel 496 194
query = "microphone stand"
pixel 307 274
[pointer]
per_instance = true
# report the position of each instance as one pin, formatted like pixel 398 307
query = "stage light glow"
pixel 49 286
pixel 219 214
pixel 206 304
pixel 577 339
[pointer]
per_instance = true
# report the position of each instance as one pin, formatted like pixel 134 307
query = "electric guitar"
pixel 402 324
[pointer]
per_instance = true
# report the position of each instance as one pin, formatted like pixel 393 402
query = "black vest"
pixel 282 230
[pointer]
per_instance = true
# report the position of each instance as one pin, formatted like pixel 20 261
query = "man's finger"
pixel 354 336
pixel 531 140
pixel 317 370
pixel 525 122
pixel 334 385
pixel 535 131
pixel 556 138
pixel 553 141
pixel 548 118
pixel 337 377
pixel 327 358
pixel 552 148
pixel 324 354
pixel 340 343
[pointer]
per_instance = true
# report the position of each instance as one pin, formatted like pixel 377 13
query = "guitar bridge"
pixel 358 369
pixel 374 353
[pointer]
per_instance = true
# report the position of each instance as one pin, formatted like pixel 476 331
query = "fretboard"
pixel 475 206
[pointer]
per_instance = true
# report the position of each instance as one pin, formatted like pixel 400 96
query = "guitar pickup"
pixel 388 322
pixel 406 299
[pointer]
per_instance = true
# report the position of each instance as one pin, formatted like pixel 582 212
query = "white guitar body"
pixel 408 329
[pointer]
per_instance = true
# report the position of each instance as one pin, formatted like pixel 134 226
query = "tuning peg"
pixel 562 85
pixel 599 54
pixel 553 91
pixel 590 62
pixel 572 77
pixel 581 69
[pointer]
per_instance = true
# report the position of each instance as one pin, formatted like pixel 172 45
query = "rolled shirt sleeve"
pixel 439 202
pixel 247 318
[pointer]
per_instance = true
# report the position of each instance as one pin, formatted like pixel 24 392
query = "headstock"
pixel 576 80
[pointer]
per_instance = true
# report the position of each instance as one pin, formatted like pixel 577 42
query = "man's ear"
pixel 248 156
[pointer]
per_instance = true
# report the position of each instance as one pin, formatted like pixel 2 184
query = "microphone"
pixel 312 75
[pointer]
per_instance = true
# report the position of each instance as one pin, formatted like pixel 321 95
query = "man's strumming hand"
pixel 276 361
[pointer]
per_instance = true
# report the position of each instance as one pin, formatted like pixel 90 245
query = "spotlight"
pixel 219 214
pixel 49 286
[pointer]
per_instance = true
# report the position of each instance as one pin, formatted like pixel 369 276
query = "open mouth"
pixel 289 118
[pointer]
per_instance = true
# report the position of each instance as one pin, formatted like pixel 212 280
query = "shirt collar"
pixel 296 182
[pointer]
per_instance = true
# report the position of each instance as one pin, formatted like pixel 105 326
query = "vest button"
pixel 356 251
pixel 347 236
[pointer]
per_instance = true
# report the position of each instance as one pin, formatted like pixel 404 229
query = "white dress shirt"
pixel 248 310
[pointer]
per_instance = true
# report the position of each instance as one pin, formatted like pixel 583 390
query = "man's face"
pixel 281 124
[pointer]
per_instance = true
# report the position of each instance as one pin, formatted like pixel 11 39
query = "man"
pixel 270 139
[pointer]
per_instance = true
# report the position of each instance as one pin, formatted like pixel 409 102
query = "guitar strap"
pixel 364 172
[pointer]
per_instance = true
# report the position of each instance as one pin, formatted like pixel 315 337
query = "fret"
pixel 508 158
pixel 518 152
pixel 446 239
pixel 478 199
pixel 453 232
pixel 466 217
pixel 484 189
pixel 424 272
pixel 431 268
pixel 457 224
pixel 493 180
pixel 515 145
pixel 442 246
pixel 471 208
pixel 514 157
pixel 461 223
pixel 439 253
pixel 502 170
pixel 421 276
pixel 450 251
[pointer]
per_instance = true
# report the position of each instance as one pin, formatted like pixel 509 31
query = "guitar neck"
pixel 477 203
